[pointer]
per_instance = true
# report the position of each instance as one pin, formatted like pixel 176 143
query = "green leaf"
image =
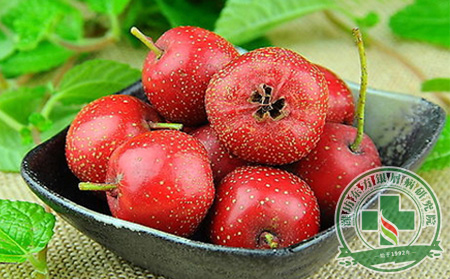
pixel 94 79
pixel 370 20
pixel 436 85
pixel 424 20
pixel 70 24
pixel 15 143
pixel 243 20
pixel 6 45
pixel 7 5
pixel 25 229
pixel 108 6
pixel 44 57
pixel 203 13
pixel 30 21
pixel 257 43
pixel 39 121
pixel 13 148
pixel 21 103
pixel 137 14
pixel 439 157
pixel 61 117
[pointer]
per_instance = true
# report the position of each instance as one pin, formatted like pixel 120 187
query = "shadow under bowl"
pixel 403 127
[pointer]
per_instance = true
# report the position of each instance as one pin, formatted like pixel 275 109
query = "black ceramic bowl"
pixel 403 127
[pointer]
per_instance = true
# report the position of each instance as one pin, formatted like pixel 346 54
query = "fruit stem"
pixel 90 186
pixel 362 91
pixel 172 126
pixel 147 41
pixel 268 240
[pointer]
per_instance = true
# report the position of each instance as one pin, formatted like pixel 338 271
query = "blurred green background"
pixel 48 47
pixel 57 55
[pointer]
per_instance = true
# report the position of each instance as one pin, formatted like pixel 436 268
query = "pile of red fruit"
pixel 265 143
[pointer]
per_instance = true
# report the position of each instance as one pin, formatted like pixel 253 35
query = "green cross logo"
pixel 388 219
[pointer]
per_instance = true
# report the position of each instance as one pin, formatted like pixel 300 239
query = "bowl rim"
pixel 42 190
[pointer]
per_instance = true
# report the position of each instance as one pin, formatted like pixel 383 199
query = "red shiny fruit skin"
pixel 175 83
pixel 164 181
pixel 256 199
pixel 272 142
pixel 341 107
pixel 331 166
pixel 222 161
pixel 99 128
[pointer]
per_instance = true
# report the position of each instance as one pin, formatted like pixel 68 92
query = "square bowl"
pixel 403 127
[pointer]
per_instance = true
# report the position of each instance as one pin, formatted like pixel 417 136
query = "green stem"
pixel 85 45
pixel 51 102
pixel 11 122
pixel 90 186
pixel 115 26
pixel 92 44
pixel 147 41
pixel 172 126
pixel 270 239
pixel 362 91
pixel 40 264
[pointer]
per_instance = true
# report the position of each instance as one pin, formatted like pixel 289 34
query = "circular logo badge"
pixel 396 217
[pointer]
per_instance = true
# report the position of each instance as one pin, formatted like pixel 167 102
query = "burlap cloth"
pixel 73 255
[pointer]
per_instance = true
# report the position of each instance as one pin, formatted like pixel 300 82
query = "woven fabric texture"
pixel 72 255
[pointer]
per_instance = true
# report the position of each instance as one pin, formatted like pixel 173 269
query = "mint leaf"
pixel 108 6
pixel 439 157
pixel 70 23
pixel 6 46
pixel 137 14
pixel 182 12
pixel 44 57
pixel 13 147
pixel 20 104
pixel 257 43
pixel 7 5
pixel 30 21
pixel 25 229
pixel 436 85
pixel 61 116
pixel 424 20
pixel 94 79
pixel 370 20
pixel 15 142
pixel 241 21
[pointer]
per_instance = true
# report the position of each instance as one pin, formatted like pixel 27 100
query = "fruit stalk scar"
pixel 147 41
pixel 89 186
pixel 362 91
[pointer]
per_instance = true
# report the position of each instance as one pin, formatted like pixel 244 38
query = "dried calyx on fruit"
pixel 267 107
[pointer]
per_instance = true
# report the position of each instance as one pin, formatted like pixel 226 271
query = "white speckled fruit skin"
pixel 273 142
pixel 175 83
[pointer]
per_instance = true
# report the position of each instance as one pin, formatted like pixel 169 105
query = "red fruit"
pixel 177 72
pixel 263 207
pixel 268 106
pixel 341 107
pixel 99 128
pixel 161 179
pixel 343 153
pixel 222 162
pixel 332 165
